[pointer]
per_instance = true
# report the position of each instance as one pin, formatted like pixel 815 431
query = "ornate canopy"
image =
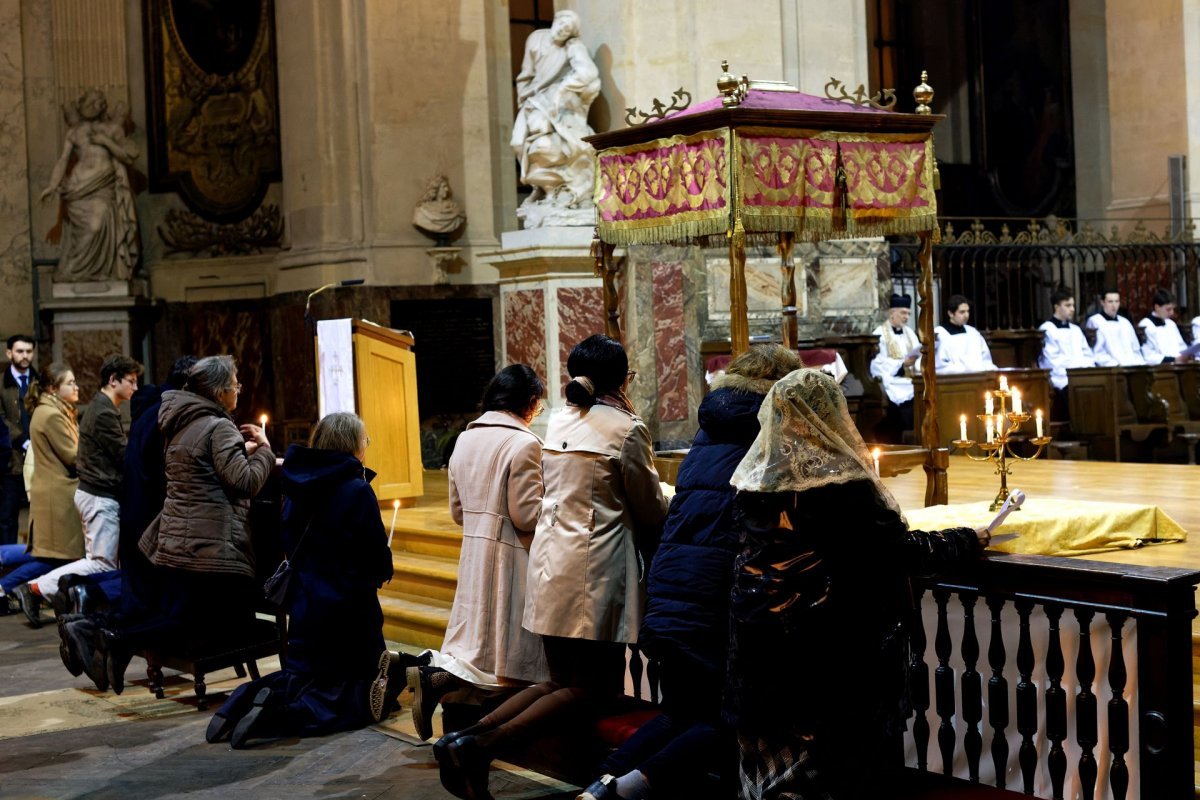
pixel 777 162
pixel 765 161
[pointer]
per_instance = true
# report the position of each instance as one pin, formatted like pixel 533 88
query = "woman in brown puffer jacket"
pixel 199 542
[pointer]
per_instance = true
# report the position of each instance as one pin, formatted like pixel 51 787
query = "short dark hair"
pixel 600 359
pixel 512 390
pixel 179 370
pixel 1060 294
pixel 955 301
pixel 1162 297
pixel 19 337
pixel 1107 290
pixel 119 366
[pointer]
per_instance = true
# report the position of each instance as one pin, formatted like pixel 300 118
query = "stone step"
pixel 414 620
pixel 425 533
pixel 432 577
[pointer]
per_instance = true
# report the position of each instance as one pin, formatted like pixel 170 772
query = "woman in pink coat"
pixel 496 495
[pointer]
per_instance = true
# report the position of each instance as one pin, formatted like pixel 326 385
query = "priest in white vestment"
pixel 893 366
pixel 1164 344
pixel 960 347
pixel 1117 342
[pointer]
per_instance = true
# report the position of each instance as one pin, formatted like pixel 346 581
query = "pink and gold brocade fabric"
pixel 816 184
pixel 670 189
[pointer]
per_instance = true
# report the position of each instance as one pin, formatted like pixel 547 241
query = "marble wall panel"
pixel 525 328
pixel 85 351
pixel 16 286
pixel 237 330
pixel 670 351
pixel 580 315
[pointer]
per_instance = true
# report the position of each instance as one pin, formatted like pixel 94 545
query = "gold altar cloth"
pixel 1054 526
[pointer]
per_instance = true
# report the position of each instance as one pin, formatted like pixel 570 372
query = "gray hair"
pixel 210 376
pixel 340 431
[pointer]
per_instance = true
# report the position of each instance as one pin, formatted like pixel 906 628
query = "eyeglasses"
pixel 631 374
pixel 366 441
pixel 541 409
pixel 237 387
pixel 130 379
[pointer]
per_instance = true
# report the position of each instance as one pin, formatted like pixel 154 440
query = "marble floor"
pixel 60 738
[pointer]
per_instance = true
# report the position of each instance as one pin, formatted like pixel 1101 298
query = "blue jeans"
pixel 24 566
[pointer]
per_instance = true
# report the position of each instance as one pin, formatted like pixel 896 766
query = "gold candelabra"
pixel 1000 427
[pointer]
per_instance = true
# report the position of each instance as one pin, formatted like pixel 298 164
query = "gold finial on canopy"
pixel 733 89
pixel 923 94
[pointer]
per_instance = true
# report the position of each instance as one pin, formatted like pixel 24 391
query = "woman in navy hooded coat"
pixel 335 673
pixel 686 623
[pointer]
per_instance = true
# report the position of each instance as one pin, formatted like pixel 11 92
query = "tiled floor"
pixel 134 747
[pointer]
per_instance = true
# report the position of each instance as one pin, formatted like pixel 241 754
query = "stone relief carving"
pixel 185 232
pixel 97 220
pixel 555 89
pixel 438 215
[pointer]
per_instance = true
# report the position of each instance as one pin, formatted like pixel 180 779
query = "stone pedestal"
pixel 90 321
pixel 549 301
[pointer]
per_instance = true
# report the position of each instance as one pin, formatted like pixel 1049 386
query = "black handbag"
pixel 277 589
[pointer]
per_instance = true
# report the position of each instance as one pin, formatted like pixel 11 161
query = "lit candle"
pixel 987 402
pixel 999 426
pixel 262 421
pixel 990 428
pixel 875 454
pixel 962 428
pixel 1004 383
pixel 1037 415
pixel 392 530
pixel 1016 395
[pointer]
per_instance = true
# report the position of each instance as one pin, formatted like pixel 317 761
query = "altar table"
pixel 1056 526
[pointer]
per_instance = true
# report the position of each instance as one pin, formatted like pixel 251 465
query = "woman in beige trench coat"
pixel 585 587
pixel 496 495
pixel 56 532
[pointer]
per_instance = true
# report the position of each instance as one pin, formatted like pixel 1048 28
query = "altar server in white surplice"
pixel 1196 330
pixel 1064 348
pixel 1117 342
pixel 960 347
pixel 1164 343
pixel 893 365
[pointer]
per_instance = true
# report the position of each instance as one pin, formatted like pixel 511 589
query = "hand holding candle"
pixel 875 455
pixel 1037 416
pixel 392 530
pixel 962 427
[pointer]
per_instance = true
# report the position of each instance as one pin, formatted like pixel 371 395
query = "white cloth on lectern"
pixel 1117 342
pixel 1162 341
pixel 961 352
pixel 335 356
pixel 1063 349
pixel 893 347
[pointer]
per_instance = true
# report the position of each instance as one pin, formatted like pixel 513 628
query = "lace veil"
pixel 806 440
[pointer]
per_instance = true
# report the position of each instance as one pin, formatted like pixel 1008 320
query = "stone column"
pixel 550 300
pixel 16 285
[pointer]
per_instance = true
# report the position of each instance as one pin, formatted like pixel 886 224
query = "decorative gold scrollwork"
pixel 679 102
pixel 884 99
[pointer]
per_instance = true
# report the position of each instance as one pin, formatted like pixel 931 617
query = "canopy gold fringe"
pixel 623 234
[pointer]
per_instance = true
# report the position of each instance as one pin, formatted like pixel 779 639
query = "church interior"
pixel 375 207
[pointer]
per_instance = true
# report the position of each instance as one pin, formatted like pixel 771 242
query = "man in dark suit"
pixel 18 375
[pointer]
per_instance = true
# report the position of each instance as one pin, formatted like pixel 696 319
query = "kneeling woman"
pixel 334 676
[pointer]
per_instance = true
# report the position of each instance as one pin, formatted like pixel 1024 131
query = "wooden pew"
pixel 1103 412
pixel 1157 395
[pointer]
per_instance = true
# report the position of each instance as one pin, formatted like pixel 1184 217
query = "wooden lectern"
pixel 379 383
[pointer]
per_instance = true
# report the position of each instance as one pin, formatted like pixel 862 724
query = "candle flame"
pixel 263 420
pixel 395 504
